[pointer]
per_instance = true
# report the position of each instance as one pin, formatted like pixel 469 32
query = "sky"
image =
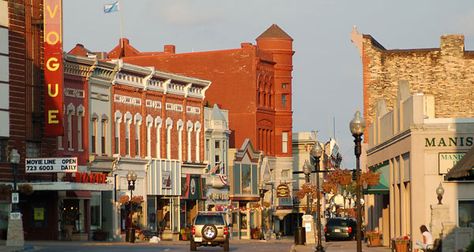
pixel 327 69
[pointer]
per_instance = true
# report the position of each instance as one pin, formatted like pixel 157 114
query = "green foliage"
pixel 470 248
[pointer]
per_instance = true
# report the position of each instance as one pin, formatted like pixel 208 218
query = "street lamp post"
pixel 14 160
pixel 357 126
pixel 15 236
pixel 316 153
pixel 307 171
pixel 131 178
pixel 262 192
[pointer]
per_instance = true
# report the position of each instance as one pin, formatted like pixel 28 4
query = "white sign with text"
pixel 448 160
pixel 51 165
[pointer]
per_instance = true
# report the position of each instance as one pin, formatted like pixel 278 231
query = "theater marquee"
pixel 53 68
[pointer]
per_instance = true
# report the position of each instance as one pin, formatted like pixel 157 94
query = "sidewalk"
pixel 335 247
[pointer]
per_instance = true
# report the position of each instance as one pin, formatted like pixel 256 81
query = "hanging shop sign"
pixel 51 165
pixel 283 191
pixel 53 68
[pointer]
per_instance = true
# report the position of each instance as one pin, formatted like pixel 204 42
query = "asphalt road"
pixel 284 245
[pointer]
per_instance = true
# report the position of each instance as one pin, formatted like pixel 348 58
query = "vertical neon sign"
pixel 53 68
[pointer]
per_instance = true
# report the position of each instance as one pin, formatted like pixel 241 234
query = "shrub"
pixel 470 248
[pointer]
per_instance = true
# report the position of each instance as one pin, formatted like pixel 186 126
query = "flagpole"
pixel 121 29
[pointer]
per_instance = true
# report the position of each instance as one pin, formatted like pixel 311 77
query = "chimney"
pixel 169 49
pixel 452 45
pixel 245 45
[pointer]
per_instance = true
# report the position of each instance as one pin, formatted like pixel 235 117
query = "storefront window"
pixel 151 211
pixel 466 213
pixel 95 210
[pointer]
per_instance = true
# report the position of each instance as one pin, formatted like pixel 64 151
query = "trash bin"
pixel 130 235
pixel 300 236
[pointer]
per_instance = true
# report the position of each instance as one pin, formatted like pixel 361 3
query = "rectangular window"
pixel 284 98
pixel 32 150
pixel 127 139
pixel 3 150
pixel 69 131
pixel 95 210
pixel 246 179
pixel 466 213
pixel 284 142
pixel 117 138
pixel 217 159
pixel 137 140
pixel 93 136
pixel 217 144
pixel 102 136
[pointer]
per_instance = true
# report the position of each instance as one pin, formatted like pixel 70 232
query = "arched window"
pixel 179 126
pixel 103 134
pixel 138 123
pixel 158 123
pixel 149 124
pixel 197 129
pixel 128 121
pixel 118 121
pixel 80 115
pixel 71 111
pixel 189 130
pixel 93 144
pixel 169 126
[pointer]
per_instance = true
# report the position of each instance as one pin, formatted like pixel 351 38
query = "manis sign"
pixel 53 67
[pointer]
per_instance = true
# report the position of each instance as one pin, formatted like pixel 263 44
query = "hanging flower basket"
pixel 371 178
pixel 329 187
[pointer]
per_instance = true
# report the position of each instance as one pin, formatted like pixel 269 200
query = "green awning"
pixel 382 187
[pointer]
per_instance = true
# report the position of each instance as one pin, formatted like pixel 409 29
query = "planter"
pixel 374 240
pixel 401 246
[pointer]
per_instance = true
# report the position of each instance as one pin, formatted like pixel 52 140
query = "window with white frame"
pixel 94 135
pixel 128 121
pixel 138 124
pixel 169 126
pixel 179 126
pixel 149 123
pixel 284 142
pixel 189 130
pixel 197 129
pixel 158 137
pixel 103 132
pixel 80 114
pixel 70 114
pixel 118 120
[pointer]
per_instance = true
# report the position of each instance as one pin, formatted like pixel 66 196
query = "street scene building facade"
pixel 419 113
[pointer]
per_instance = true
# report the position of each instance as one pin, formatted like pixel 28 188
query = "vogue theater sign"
pixel 53 67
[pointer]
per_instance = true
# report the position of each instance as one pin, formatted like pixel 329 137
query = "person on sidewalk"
pixel 427 239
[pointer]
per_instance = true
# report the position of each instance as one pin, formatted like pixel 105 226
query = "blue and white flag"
pixel 112 7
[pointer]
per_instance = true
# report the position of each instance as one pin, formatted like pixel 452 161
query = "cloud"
pixel 181 12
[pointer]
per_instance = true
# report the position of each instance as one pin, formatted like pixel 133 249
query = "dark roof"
pixel 274 31
pixel 464 168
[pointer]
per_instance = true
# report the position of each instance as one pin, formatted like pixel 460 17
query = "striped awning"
pixel 463 169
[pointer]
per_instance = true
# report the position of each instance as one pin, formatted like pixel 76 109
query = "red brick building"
pixel 253 82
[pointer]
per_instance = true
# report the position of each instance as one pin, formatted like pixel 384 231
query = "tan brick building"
pixel 447 73
pixel 419 108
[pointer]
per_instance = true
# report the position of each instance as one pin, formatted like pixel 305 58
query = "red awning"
pixel 79 194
